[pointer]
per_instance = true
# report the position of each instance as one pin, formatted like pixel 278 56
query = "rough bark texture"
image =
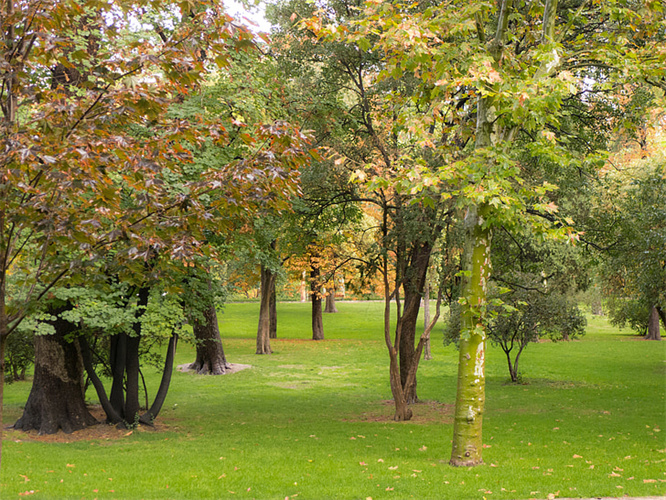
pixel 263 329
pixel 210 358
pixel 56 400
pixel 653 325
pixel 317 319
pixel 330 303
pixel 470 398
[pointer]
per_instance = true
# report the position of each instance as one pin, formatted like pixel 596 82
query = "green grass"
pixel 313 420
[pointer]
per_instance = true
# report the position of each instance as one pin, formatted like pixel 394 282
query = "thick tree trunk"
pixel 653 325
pixel 330 302
pixel 470 398
pixel 317 319
pixel 662 315
pixel 263 329
pixel 56 400
pixel 210 358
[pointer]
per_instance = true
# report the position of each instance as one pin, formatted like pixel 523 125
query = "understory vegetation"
pixel 315 421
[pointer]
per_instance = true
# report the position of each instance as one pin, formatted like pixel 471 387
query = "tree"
pixel 509 67
pixel 632 268
pixel 87 142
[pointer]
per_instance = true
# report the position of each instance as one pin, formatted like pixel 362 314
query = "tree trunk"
pixel 662 315
pixel 330 302
pixel 317 319
pixel 470 398
pixel 427 354
pixel 263 329
pixel 653 325
pixel 210 358
pixel 272 333
pixel 414 283
pixel 160 397
pixel 57 399
pixel 117 358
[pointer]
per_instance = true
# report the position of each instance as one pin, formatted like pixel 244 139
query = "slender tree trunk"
pixel 427 354
pixel 210 358
pixel 273 312
pixel 414 283
pixel 653 325
pixel 57 399
pixel 263 329
pixel 118 358
pixel 112 416
pixel 160 397
pixel 315 289
pixel 470 398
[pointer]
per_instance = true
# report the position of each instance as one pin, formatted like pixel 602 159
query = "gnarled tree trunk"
pixel 57 399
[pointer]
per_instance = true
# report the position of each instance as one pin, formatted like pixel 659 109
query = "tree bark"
pixel 160 397
pixel 263 329
pixel 315 289
pixel 653 325
pixel 272 333
pixel 427 354
pixel 57 399
pixel 470 398
pixel 414 283
pixel 330 302
pixel 210 358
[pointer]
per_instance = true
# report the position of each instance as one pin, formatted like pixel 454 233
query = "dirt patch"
pixel 99 432
pixel 233 368
pixel 424 412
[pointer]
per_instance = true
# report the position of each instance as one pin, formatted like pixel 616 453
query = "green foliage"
pixel 19 356
pixel 633 267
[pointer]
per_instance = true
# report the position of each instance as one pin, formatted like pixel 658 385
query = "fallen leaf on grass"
pixel 649 480
pixel 362 463
pixel 614 474
pixel 577 456
pixel 389 489
pixel 423 448
pixel 26 493
pixel 380 460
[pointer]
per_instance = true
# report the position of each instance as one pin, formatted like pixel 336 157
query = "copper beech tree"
pixel 86 140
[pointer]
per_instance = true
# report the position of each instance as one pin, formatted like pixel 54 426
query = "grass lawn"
pixel 312 421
